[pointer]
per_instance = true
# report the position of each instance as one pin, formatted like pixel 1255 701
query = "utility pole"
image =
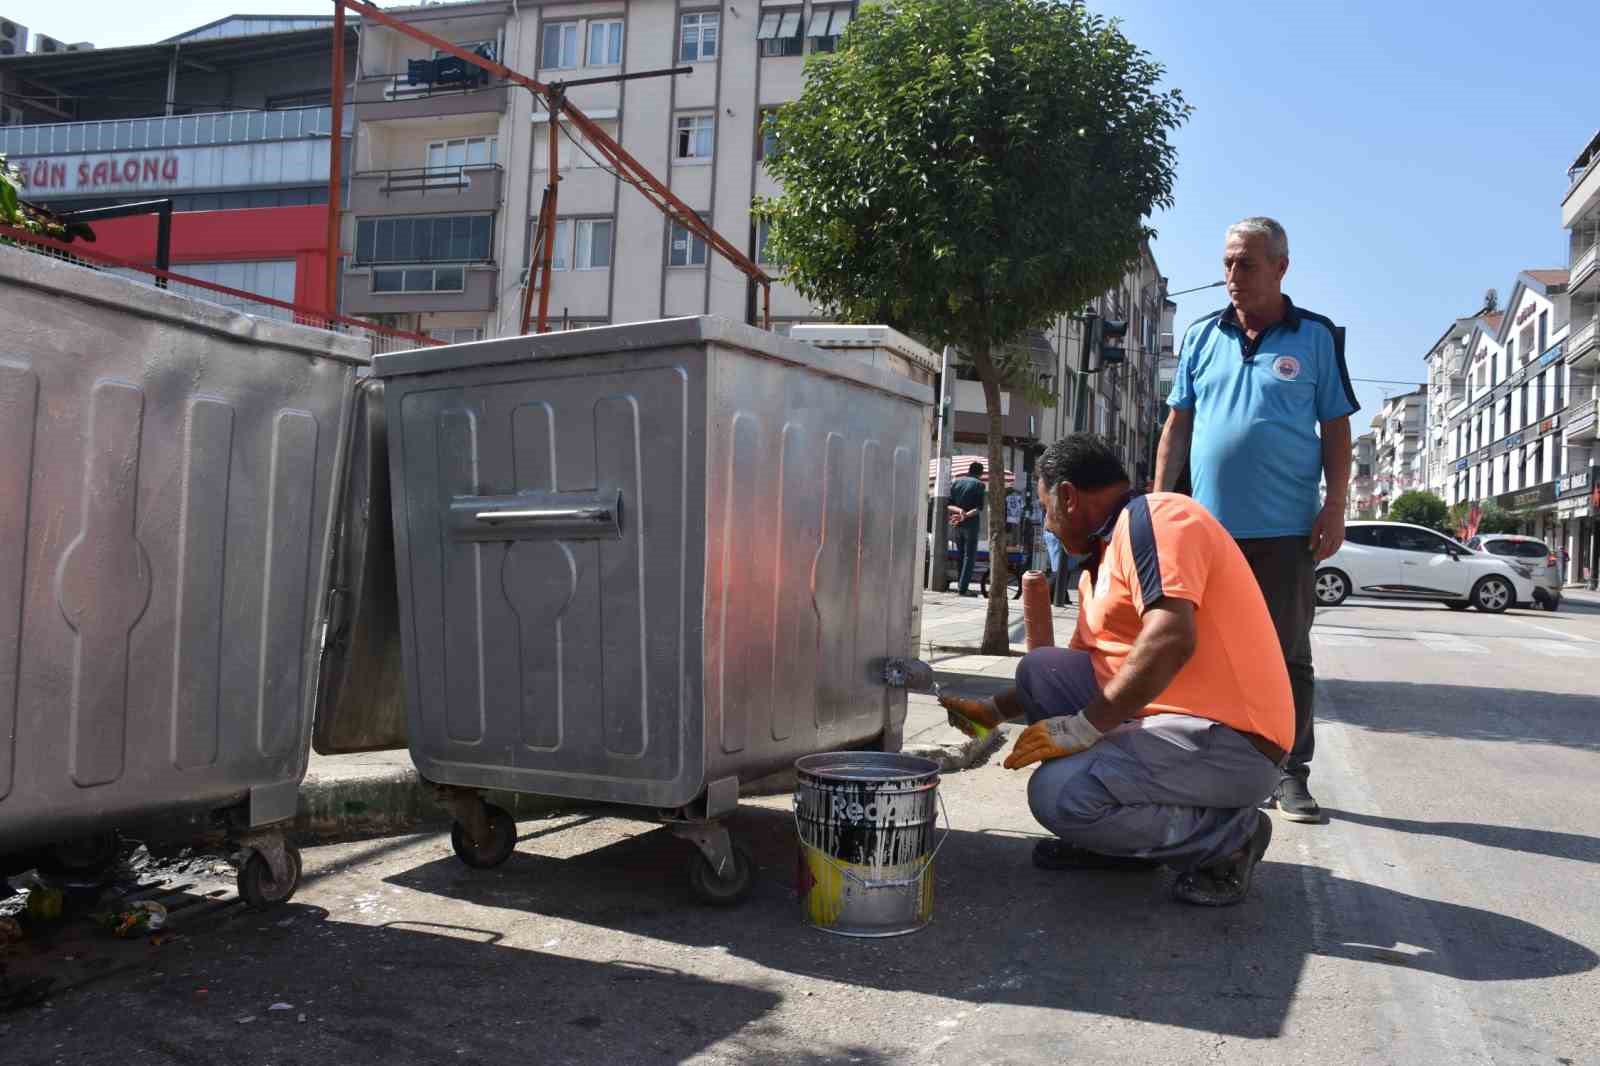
pixel 939 557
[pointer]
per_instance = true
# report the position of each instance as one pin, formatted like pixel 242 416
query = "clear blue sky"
pixel 1416 153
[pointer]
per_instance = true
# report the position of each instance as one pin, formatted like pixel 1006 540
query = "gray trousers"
pixel 1170 787
pixel 1287 574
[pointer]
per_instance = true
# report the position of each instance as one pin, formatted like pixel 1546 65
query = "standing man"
pixel 1255 382
pixel 968 494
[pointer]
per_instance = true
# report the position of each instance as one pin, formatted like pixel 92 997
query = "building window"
pixel 423 239
pixel 763 231
pixel 560 50
pixel 1527 406
pixel 779 33
pixel 695 137
pixel 1544 331
pixel 766 134
pixel 1511 355
pixel 685 249
pixel 457 334
pixel 1561 384
pixel 697 37
pixel 593 250
pixel 605 43
pixel 419 279
pixel 560 244
pixel 827 24
pixel 462 151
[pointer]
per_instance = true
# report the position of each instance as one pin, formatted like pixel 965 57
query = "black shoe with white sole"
pixel 1295 801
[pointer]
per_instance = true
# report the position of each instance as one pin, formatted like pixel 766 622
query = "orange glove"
pixel 974 717
pixel 1052 738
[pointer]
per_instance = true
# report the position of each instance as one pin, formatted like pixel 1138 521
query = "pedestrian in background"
pixel 1255 383
pixel 967 493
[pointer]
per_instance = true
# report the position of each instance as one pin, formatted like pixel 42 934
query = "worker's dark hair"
pixel 975 470
pixel 1085 459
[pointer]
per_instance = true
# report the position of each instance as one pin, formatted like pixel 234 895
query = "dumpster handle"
pixel 903 882
pixel 538 516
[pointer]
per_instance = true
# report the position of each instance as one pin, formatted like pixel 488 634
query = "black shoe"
pixel 1053 854
pixel 1225 883
pixel 1295 801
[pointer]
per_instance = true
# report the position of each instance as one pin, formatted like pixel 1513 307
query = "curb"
pixel 955 756
pixel 390 801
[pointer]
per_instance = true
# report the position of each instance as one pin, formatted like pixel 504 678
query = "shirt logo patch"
pixel 1286 368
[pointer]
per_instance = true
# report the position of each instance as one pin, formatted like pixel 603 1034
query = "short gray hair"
pixel 1261 226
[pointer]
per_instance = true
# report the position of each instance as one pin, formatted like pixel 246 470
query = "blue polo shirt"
pixel 1255 460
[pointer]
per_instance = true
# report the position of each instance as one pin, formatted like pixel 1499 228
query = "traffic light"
pixel 1113 332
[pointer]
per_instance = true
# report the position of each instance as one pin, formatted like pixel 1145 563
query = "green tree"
pixel 1422 509
pixel 1491 519
pixel 967 171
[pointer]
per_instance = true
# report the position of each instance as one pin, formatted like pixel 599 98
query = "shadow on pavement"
pixel 1464 711
pixel 1004 932
pixel 1511 838
pixel 404 992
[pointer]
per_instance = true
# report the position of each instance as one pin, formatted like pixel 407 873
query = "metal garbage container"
pixel 168 478
pixel 641 564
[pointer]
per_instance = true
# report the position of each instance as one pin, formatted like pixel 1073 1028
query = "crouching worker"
pixel 1166 721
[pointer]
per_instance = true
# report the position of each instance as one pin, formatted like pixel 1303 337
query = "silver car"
pixel 1530 554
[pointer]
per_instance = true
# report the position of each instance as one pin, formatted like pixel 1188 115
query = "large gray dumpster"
pixel 167 481
pixel 643 563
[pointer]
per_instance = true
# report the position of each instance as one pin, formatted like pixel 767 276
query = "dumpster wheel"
pixel 256 883
pixel 719 890
pixel 496 850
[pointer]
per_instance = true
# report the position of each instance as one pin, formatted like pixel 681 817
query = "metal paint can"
pixel 868 833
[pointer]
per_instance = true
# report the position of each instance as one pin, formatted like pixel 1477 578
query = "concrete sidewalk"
pixel 381 792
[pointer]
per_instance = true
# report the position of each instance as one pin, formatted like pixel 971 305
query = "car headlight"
pixel 1523 568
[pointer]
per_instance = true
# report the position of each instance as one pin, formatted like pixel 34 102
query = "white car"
pixel 1398 561
pixel 1532 553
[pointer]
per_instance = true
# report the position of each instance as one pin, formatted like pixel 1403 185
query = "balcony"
pixel 1585 270
pixel 1582 422
pixel 1583 344
pixel 427 191
pixel 389 96
pixel 477 293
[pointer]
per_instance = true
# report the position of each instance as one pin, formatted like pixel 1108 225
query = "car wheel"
pixel 1458 605
pixel 1333 588
pixel 1493 594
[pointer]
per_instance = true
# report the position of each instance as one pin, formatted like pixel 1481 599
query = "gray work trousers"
pixel 1171 787
pixel 1287 574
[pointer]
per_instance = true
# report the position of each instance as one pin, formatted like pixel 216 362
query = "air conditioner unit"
pixel 44 44
pixel 13 38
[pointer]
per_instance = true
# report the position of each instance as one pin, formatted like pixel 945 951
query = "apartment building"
pixel 448 171
pixel 230 121
pixel 1506 440
pixel 1362 501
pixel 1577 515
pixel 1446 373
pixel 1398 429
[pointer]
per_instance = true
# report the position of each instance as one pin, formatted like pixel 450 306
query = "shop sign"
pixel 1577 507
pixel 120 171
pixel 1549 424
pixel 1523 499
pixel 1526 313
pixel 1461 463
pixel 1576 483
pixel 1553 354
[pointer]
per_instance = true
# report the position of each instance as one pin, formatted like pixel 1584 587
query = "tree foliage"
pixel 1422 509
pixel 967 171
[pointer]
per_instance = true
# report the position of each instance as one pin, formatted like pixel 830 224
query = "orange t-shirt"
pixel 1164 544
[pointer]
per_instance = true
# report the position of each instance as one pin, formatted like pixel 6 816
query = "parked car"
pixel 1531 552
pixel 1399 561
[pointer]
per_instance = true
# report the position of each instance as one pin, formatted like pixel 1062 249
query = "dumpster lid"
pixel 834 335
pixel 646 336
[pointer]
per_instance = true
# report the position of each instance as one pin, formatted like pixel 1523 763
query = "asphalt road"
pixel 1445 914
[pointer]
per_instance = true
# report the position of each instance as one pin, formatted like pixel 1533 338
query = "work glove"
pixel 1052 738
pixel 974 717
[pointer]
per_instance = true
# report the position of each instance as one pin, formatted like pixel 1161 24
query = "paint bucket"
pixel 867 823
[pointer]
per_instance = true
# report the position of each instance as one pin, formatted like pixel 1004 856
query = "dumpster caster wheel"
pixel 492 852
pixel 722 890
pixel 256 883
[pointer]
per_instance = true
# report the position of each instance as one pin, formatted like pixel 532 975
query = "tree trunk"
pixel 997 623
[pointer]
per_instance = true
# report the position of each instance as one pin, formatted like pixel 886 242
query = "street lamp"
pixel 1197 288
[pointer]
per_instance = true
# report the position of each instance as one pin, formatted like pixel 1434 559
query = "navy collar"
pixel 1291 315
pixel 1101 537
